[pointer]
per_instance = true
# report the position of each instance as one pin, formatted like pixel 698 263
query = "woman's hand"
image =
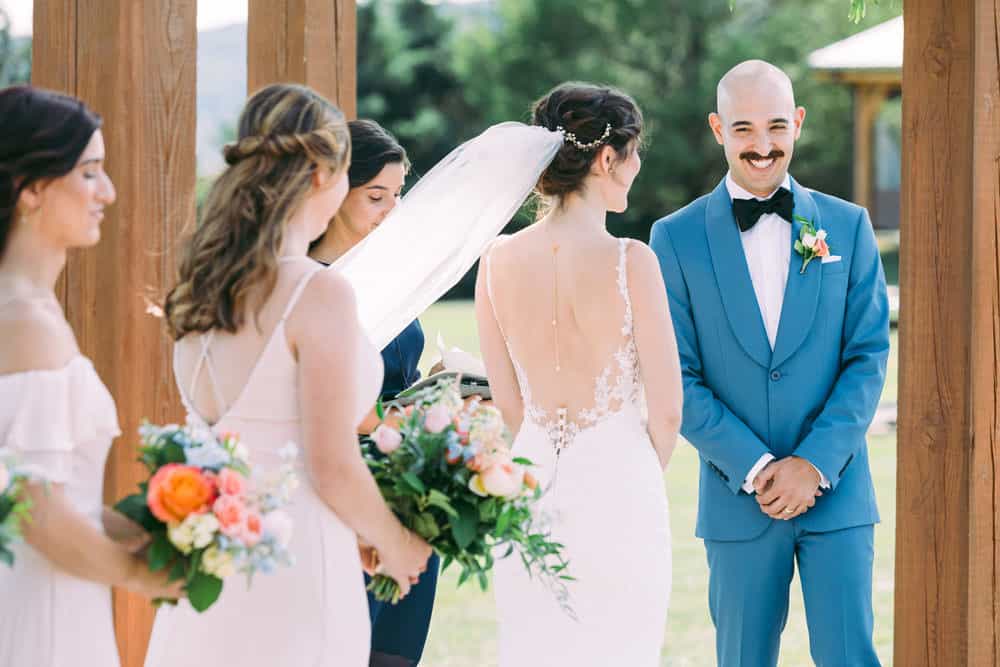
pixel 124 531
pixel 153 585
pixel 406 561
pixel 369 557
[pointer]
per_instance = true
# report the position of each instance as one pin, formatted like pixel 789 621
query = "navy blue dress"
pixel 401 629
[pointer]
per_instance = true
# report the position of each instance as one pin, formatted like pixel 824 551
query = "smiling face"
pixel 69 209
pixel 757 123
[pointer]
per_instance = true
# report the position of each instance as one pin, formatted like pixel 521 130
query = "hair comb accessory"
pixel 571 137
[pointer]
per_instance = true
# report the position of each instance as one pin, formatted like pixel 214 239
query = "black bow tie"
pixel 748 211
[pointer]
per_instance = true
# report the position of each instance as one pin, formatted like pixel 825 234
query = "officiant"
pixel 378 169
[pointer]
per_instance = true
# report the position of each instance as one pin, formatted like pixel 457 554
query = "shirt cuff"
pixel 824 483
pixel 752 475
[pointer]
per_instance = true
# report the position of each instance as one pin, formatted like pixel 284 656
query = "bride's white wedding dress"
pixel 605 501
pixel 314 613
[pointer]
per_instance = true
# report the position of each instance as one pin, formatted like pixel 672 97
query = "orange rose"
pixel 821 249
pixel 176 491
pixel 530 481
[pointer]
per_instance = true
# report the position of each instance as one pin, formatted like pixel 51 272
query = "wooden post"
pixel 134 63
pixel 313 42
pixel 948 482
pixel 868 99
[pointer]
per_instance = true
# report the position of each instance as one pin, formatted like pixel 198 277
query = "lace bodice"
pixel 617 387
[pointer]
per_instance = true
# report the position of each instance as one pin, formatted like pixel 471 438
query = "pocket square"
pixel 830 259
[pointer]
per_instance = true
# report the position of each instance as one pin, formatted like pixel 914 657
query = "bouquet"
pixel 207 520
pixel 13 509
pixel 449 475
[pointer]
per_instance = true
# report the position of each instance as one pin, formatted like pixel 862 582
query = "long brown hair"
pixel 286 132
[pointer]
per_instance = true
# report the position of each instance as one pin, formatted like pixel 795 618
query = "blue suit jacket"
pixel 814 396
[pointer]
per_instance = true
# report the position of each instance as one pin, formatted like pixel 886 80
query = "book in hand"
pixel 469 385
pixel 455 362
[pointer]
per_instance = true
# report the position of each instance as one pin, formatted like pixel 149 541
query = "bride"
pixel 576 333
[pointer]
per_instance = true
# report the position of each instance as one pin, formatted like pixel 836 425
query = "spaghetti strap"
pixel 297 292
pixel 205 361
pixel 488 261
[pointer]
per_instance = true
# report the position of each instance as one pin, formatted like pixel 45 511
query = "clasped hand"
pixel 787 488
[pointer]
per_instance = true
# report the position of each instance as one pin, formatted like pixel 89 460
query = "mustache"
pixel 751 155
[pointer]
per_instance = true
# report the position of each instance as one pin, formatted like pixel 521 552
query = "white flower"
pixel 278 526
pixel 4 477
pixel 208 455
pixel 821 235
pixel 809 241
pixel 203 528
pixel 218 563
pixel 181 535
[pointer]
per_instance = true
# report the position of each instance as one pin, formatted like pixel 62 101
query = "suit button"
pixel 775 375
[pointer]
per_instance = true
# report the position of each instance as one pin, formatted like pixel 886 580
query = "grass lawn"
pixel 463 630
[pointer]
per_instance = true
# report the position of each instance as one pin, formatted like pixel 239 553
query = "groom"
pixel 779 304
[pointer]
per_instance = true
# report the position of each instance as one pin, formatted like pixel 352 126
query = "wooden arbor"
pixel 134 63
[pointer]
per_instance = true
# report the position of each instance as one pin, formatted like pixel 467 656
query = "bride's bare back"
pixel 583 318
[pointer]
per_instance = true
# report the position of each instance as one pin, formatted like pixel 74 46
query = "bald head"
pixel 754 79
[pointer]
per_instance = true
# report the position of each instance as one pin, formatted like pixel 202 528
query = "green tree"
pixel 15 55
pixel 406 79
pixel 669 54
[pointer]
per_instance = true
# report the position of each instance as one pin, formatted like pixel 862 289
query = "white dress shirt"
pixel 766 247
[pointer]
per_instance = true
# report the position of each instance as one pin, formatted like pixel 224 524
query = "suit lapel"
pixel 802 291
pixel 733 277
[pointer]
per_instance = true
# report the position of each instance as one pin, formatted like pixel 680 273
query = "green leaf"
pixel 161 552
pixel 484 583
pixel 414 482
pixel 172 453
pixel 440 500
pixel 176 572
pixel 203 590
pixel 425 526
pixel 463 528
pixel 520 460
pixel 6 556
pixel 504 521
pixel 135 508
pixel 380 410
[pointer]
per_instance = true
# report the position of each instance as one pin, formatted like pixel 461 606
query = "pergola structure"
pixel 134 62
pixel 870 63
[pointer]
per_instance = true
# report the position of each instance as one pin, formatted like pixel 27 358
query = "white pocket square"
pixel 830 259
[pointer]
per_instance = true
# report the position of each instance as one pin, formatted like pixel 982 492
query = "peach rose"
pixel 503 479
pixel 387 439
pixel 232 516
pixel 177 491
pixel 231 483
pixel 437 418
pixel 821 248
pixel 252 529
pixel 529 481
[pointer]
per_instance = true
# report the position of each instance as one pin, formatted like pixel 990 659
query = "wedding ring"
pixel 788 510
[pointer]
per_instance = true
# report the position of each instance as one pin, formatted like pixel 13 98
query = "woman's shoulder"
pixel 36 336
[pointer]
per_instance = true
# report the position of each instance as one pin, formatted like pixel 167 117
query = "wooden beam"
pixel 948 480
pixel 134 63
pixel 868 102
pixel 313 42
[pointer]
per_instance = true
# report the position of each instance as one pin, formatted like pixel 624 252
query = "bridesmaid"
pixel 378 169
pixel 56 417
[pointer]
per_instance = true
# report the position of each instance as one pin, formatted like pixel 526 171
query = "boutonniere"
pixel 811 243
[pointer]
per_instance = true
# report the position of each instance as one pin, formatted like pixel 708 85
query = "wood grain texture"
pixel 984 506
pixel 134 63
pixel 947 479
pixel 313 42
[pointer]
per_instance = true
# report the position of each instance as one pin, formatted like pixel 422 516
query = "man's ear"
pixel 715 122
pixel 799 118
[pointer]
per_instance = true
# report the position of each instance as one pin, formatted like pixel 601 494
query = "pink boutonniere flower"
pixel 811 243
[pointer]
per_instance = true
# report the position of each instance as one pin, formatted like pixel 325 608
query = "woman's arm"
pixel 329 425
pixel 659 363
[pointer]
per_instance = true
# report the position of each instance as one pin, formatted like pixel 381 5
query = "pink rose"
pixel 232 516
pixel 437 419
pixel 821 248
pixel 387 439
pixel 252 529
pixel 231 483
pixel 503 479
